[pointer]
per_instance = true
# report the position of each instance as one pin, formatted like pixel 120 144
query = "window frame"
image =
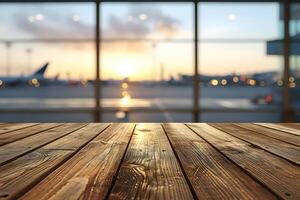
pixel 287 111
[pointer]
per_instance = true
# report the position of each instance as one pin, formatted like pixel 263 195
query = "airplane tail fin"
pixel 56 77
pixel 42 70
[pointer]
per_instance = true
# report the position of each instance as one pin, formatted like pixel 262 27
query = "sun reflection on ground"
pixel 124 93
pixel 124 85
pixel 125 101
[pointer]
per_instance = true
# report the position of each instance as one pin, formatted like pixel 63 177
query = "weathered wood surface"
pixel 18 148
pixel 25 132
pixel 90 173
pixel 27 170
pixel 282 149
pixel 203 164
pixel 6 128
pixel 150 169
pixel 279 135
pixel 149 161
pixel 288 128
pixel 279 175
pixel 293 126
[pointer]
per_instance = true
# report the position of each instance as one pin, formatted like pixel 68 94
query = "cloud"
pixel 142 22
pixel 53 25
pixel 139 22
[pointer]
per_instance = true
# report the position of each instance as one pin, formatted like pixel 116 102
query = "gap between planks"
pixel 204 164
pixel 9 127
pixel 31 168
pixel 279 175
pixel 14 150
pixel 25 132
pixel 277 147
pixel 281 127
pixel 150 169
pixel 90 173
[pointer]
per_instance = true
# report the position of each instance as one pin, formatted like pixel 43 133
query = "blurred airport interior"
pixel 158 61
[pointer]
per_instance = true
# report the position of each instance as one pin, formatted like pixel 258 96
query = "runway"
pixel 161 98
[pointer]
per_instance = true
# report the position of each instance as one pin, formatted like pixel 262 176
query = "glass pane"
pixel 239 20
pixel 47 59
pixel 146 48
pixel 238 73
pixel 47 20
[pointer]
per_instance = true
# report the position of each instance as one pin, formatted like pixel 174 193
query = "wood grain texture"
pixel 150 169
pixel 89 173
pixel 282 149
pixel 293 126
pixel 18 148
pixel 211 174
pixel 279 175
pixel 6 128
pixel 279 135
pixel 288 128
pixel 76 161
pixel 25 132
pixel 21 174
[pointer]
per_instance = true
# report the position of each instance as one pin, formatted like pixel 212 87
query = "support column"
pixel 97 113
pixel 196 117
pixel 287 112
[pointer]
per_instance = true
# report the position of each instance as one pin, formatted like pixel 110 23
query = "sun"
pixel 125 69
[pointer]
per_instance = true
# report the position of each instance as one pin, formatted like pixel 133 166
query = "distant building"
pixel 275 47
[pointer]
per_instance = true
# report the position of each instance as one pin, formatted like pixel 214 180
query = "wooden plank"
pixel 21 174
pixel 150 169
pixel 88 174
pixel 282 149
pixel 5 128
pixel 279 175
pixel 279 135
pixel 16 149
pixel 211 174
pixel 25 132
pixel 281 127
pixel 294 126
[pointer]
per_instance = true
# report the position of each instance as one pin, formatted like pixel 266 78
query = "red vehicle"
pixel 263 99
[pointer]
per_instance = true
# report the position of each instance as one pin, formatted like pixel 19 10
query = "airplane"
pixel 32 79
pixel 38 78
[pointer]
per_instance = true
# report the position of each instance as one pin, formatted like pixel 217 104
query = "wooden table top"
pixel 149 161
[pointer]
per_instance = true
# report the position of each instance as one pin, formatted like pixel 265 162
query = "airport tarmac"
pixel 158 97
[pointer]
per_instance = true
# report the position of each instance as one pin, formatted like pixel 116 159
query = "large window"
pixel 237 76
pixel 58 37
pixel 147 61
pixel 146 49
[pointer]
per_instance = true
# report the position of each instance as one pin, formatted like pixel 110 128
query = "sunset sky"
pixel 152 21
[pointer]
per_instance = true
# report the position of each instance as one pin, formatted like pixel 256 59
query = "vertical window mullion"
pixel 97 117
pixel 287 114
pixel 196 78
